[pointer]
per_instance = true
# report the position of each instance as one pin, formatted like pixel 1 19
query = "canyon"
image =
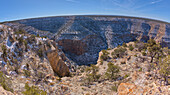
pixel 75 55
pixel 82 37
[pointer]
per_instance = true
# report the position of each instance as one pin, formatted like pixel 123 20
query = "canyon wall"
pixel 83 37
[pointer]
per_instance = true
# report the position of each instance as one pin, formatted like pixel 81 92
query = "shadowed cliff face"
pixel 83 37
pixel 73 46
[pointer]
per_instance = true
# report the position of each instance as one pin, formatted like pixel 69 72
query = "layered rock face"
pixel 83 37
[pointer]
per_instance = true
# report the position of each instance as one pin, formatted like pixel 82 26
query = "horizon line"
pixel 92 15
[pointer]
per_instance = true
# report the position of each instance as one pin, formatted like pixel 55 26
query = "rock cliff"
pixel 58 64
pixel 83 37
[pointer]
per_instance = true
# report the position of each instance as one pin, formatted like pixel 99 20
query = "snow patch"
pixel 10 45
pixel 25 37
pixel 8 42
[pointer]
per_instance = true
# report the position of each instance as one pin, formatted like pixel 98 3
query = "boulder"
pixel 58 65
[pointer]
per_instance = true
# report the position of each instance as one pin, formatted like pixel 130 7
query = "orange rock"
pixel 58 64
pixel 129 89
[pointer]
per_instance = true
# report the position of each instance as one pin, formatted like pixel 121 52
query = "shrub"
pixel 127 75
pixel 40 74
pixel 131 47
pixel 109 49
pixel 118 46
pixel 101 62
pixel 33 36
pixel 124 45
pixel 104 56
pixel 20 31
pixel 38 35
pixel 154 50
pixel 40 52
pixel 140 70
pixel 105 52
pixel 112 71
pixel 92 74
pixel 33 90
pixel 165 68
pixel 5 82
pixel 27 73
pixel 119 52
pixel 123 62
pixel 21 40
pixel 1 30
pixel 143 53
pixel 140 45
pixel 4 49
pixel 25 43
pixel 114 88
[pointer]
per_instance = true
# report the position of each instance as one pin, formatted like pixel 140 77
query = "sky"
pixel 22 9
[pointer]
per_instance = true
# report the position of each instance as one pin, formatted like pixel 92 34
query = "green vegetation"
pixel 21 40
pixel 4 49
pixel 92 74
pixel 25 43
pixel 140 46
pixel 1 30
pixel 40 52
pixel 114 88
pixel 154 49
pixel 20 31
pixel 164 66
pixel 33 90
pixel 112 71
pixel 119 52
pixel 105 54
pixel 140 70
pixel 33 36
pixel 124 45
pixel 5 82
pixel 40 74
pixel 27 73
pixel 109 49
pixel 127 75
pixel 130 47
pixel 143 53
pixel 38 35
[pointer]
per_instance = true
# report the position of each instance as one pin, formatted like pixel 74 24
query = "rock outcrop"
pixel 4 92
pixel 91 34
pixel 58 64
pixel 132 89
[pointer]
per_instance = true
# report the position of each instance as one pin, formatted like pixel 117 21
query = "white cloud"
pixel 156 1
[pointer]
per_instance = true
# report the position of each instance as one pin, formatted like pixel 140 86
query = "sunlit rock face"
pixel 58 64
pixel 83 37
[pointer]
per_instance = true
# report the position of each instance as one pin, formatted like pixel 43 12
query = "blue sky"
pixel 20 9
